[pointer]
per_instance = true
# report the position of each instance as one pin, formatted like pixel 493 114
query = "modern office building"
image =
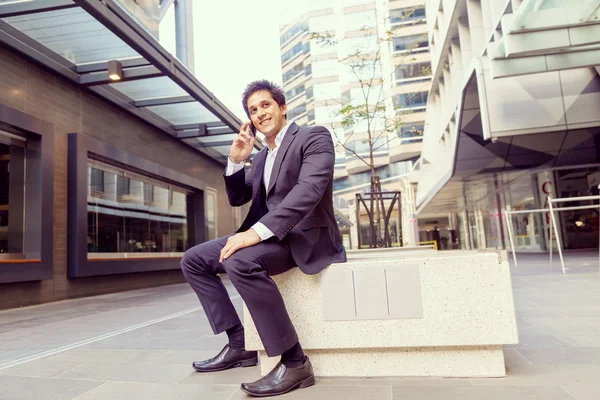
pixel 513 118
pixel 111 151
pixel 318 80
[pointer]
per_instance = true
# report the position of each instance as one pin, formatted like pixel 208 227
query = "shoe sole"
pixel 246 363
pixel 310 381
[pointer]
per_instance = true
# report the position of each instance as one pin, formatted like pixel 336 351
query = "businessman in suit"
pixel 290 224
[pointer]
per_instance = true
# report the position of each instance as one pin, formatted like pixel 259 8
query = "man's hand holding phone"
pixel 243 144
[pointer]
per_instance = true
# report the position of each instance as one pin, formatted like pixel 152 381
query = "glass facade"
pixel 130 213
pixel 579 227
pixel 482 224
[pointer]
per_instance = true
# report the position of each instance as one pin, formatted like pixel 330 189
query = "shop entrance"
pixel 579 227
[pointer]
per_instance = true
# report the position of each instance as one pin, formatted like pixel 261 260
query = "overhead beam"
pixel 200 132
pixel 164 100
pixel 102 78
pixel 221 131
pixel 184 127
pixel 103 66
pixel 164 8
pixel 216 144
pixel 34 7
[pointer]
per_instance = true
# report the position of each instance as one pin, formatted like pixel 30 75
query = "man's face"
pixel 268 117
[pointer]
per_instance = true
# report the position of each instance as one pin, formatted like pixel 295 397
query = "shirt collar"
pixel 280 135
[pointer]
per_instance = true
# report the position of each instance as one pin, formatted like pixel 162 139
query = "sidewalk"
pixel 140 344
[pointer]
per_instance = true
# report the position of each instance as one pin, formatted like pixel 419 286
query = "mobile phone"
pixel 252 129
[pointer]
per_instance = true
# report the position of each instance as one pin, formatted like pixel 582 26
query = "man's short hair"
pixel 276 92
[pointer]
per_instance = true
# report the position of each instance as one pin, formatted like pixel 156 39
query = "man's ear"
pixel 283 109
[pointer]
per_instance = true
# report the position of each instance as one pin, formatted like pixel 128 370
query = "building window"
pixel 293 31
pixel 211 213
pixel 409 100
pixel 416 15
pixel 293 72
pixel 411 130
pixel 413 71
pixel 295 92
pixel 387 171
pixel 131 213
pixel 308 70
pixel 4 196
pixel 297 49
pixel 411 43
pixel 12 196
pixel 301 109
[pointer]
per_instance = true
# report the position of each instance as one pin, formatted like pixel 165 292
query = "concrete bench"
pixel 401 313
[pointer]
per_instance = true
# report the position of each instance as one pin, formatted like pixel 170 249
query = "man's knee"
pixel 193 259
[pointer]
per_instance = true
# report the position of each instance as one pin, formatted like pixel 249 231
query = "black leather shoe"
pixel 281 380
pixel 227 358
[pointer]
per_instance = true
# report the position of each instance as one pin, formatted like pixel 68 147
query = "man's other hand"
pixel 243 144
pixel 239 241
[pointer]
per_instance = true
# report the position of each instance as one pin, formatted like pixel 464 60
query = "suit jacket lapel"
pixel 289 137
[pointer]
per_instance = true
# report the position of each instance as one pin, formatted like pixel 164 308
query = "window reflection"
pixel 211 214
pixel 128 213
pixel 4 193
pixel 12 200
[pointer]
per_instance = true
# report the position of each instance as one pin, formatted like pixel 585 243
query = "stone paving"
pixel 139 345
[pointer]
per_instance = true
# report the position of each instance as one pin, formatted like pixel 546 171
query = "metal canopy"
pixel 78 39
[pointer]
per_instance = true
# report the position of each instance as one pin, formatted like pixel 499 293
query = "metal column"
pixel 184 32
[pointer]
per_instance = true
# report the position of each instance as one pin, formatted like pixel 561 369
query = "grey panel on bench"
pixel 373 293
pixel 404 292
pixel 337 288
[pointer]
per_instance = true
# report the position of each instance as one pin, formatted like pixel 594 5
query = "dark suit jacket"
pixel 299 197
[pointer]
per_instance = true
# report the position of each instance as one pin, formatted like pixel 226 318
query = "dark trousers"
pixel 250 271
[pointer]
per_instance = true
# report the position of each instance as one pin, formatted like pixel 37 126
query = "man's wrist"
pixel 234 161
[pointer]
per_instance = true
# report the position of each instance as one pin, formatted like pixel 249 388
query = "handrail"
pixel 434 242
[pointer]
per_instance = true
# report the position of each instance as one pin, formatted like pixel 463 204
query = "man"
pixel 291 223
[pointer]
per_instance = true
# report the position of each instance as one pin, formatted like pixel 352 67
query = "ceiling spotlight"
pixel 115 70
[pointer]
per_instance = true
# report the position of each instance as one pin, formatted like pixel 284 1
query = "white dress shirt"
pixel 232 168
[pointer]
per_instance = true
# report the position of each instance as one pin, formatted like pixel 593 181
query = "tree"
pixel 372 115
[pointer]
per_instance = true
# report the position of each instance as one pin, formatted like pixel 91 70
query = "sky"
pixel 235 42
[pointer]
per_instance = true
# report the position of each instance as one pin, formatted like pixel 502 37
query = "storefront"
pixel 482 224
pixel 104 180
